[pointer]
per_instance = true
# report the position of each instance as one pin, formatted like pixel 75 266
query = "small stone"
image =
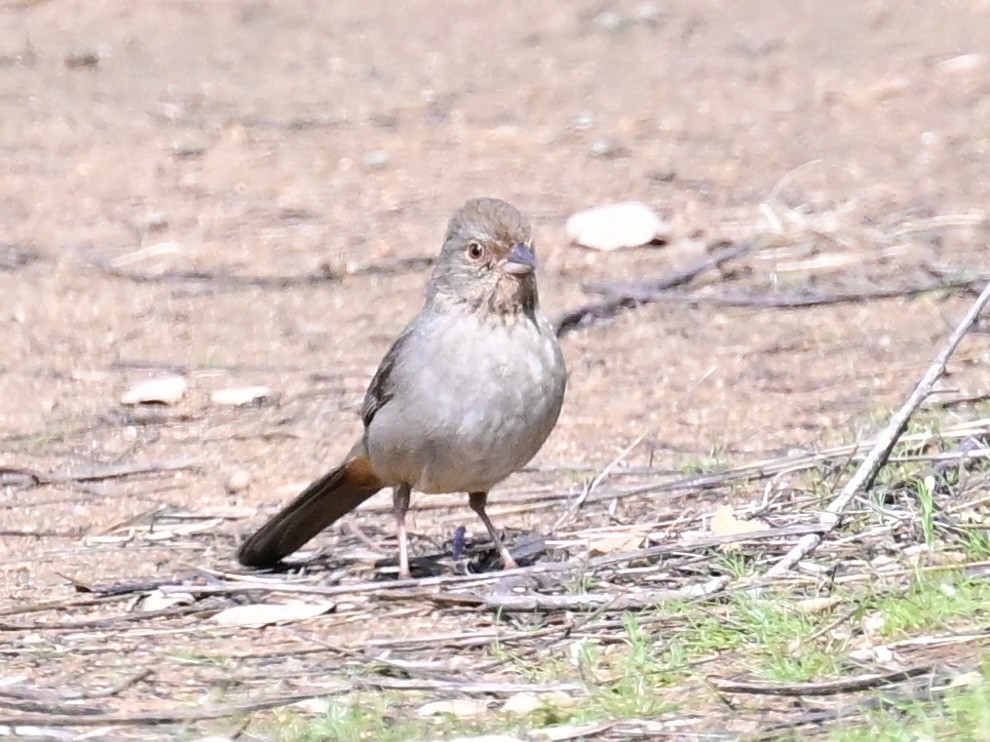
pixel 320 706
pixel 189 146
pixel 375 160
pixel 649 14
pixel 609 20
pixel 607 148
pixel 237 481
pixel 661 176
pixel 154 221
pixel 257 615
pixel 164 390
pixel 82 58
pixel 156 600
pixel 962 63
pixel 584 120
pixel 238 396
pixel 522 704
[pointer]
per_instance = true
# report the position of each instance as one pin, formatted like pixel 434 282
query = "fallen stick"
pixel 314 278
pixel 24 477
pixel 597 602
pixel 174 716
pixel 863 478
pixel 825 688
pixel 778 300
pixel 588 314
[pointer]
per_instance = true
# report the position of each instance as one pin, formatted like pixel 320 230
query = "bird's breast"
pixel 475 398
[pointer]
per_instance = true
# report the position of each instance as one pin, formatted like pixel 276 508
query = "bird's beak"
pixel 521 261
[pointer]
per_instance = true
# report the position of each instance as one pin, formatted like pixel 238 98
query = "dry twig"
pixel 589 314
pixel 863 478
pixel 825 688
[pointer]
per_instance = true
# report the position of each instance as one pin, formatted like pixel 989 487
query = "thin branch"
pixel 599 602
pixel 385 588
pixel 469 688
pixel 569 514
pixel 151 718
pixel 21 477
pixel 863 478
pixel 230 280
pixel 589 314
pixel 825 688
pixel 777 300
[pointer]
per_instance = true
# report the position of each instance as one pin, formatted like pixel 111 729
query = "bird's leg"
pixel 478 500
pixel 400 504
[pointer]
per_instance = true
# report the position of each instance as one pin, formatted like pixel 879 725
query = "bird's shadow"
pixel 463 556
pixel 457 555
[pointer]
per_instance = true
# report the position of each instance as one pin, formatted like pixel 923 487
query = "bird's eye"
pixel 475 250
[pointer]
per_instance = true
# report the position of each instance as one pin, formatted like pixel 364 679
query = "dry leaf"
pixel 615 543
pixel 522 704
pixel 263 614
pixel 816 605
pixel 163 533
pixel 963 63
pixel 318 706
pixel 156 600
pixel 966 680
pixel 725 523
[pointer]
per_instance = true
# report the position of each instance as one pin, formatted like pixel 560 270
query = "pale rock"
pixel 264 614
pixel 154 221
pixel 607 148
pixel 162 390
pixel 962 63
pixel 648 14
pixel 609 20
pixel 156 600
pixel 614 226
pixel 238 396
pixel 375 160
pixel 237 481
pixel 522 704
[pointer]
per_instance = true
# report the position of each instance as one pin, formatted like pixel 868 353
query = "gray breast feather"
pixel 469 403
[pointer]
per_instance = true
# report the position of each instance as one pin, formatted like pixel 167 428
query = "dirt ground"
pixel 197 144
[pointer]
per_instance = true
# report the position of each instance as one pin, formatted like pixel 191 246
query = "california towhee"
pixel 465 396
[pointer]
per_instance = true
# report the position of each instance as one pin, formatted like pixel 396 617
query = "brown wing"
pixel 381 388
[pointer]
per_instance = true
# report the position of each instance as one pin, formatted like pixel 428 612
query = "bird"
pixel 465 396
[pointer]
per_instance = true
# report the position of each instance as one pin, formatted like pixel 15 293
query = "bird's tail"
pixel 322 503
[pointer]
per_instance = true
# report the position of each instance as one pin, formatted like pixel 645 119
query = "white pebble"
pixel 626 224
pixel 237 396
pixel 163 390
pixel 238 481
